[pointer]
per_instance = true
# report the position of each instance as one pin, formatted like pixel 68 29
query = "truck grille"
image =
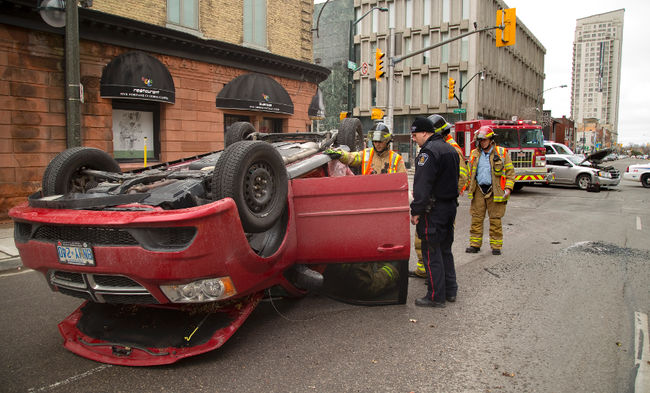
pixel 521 159
pixel 614 172
pixel 100 288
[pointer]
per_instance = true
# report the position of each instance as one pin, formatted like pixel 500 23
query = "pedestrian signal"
pixel 508 19
pixel 452 89
pixel 379 64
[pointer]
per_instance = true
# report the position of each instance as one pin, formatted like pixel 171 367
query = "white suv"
pixel 556 148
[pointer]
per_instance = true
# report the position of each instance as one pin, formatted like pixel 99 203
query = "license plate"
pixel 75 253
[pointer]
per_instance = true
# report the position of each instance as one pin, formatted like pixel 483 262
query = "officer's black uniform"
pixel 435 193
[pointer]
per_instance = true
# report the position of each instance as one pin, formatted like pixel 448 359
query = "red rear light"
pixel 627 169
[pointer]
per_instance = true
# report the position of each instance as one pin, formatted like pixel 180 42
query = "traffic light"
pixel 379 64
pixel 376 114
pixel 344 115
pixel 452 89
pixel 507 18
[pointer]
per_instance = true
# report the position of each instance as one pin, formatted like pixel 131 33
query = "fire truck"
pixel 524 141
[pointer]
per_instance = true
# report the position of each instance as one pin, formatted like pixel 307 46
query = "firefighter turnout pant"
pixel 495 210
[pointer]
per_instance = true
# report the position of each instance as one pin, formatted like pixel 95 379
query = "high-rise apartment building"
pixel 597 50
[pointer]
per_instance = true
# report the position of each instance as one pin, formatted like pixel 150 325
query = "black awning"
pixel 137 75
pixel 255 92
pixel 317 107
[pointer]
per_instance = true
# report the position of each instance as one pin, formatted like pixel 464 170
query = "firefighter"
pixel 433 211
pixel 376 159
pixel 491 179
pixel 373 279
pixel 441 126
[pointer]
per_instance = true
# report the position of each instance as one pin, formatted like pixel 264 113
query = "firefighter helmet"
pixel 485 132
pixel 380 133
pixel 440 125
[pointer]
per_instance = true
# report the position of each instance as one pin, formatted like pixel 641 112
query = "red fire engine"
pixel 524 141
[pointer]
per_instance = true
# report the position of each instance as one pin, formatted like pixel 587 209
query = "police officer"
pixel 491 179
pixel 441 126
pixel 377 159
pixel 433 211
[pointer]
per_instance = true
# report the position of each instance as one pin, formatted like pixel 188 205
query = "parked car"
pixel 553 148
pixel 172 259
pixel 638 172
pixel 571 169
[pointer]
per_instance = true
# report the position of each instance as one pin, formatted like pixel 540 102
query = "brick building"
pixel 146 71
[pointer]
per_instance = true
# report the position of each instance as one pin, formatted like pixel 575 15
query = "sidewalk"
pixel 9 258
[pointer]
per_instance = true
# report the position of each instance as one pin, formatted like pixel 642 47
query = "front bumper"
pixel 533 175
pixel 129 266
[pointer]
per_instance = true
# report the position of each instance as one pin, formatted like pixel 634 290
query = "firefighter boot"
pixel 419 272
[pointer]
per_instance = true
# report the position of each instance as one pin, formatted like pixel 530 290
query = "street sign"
pixel 460 110
pixel 352 65
pixel 364 68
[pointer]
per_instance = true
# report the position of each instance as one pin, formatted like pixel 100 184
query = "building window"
pixel 446 11
pixel 444 50
pixel 373 92
pixel 426 11
pixel 443 87
pixel 183 13
pixel 426 56
pixel 407 50
pixel 465 9
pixel 391 15
pixel 375 21
pixel 425 89
pixel 255 23
pixel 464 48
pixel 409 14
pixel 407 91
pixel 136 124
pixel 270 124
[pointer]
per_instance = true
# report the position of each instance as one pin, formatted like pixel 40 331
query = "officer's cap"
pixel 422 124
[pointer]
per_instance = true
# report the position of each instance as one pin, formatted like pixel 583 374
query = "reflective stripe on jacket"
pixel 502 169
pixel 462 165
pixel 386 162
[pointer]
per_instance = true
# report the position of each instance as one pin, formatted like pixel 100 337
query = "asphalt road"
pixel 557 312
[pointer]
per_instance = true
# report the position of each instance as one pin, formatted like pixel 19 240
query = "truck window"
pixel 506 137
pixel 531 138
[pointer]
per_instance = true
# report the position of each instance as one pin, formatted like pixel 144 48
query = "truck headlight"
pixel 206 290
pixel 604 174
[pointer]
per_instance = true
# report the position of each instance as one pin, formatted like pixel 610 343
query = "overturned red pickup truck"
pixel 172 259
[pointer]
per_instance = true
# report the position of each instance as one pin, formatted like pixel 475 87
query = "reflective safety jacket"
pixel 503 173
pixel 462 166
pixel 372 162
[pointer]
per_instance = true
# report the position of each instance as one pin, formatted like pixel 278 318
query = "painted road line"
pixel 638 223
pixel 641 353
pixel 70 380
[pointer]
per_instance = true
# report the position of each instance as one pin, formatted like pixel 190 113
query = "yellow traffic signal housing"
pixel 343 115
pixel 507 35
pixel 452 88
pixel 376 114
pixel 379 64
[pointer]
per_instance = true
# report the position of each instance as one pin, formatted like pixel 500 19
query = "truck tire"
pixel 63 173
pixel 253 174
pixel 645 180
pixel 583 181
pixel 350 134
pixel 238 131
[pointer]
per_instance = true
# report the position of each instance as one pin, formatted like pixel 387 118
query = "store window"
pixel 228 120
pixel 136 126
pixel 269 124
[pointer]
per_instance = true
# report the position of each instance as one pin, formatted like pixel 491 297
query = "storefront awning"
pixel 317 107
pixel 137 75
pixel 255 92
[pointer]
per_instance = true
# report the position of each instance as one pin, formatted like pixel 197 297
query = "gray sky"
pixel 553 22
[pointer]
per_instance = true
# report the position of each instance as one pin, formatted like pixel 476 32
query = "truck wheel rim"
pixel 259 186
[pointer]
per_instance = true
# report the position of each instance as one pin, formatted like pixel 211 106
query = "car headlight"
pixel 604 174
pixel 206 290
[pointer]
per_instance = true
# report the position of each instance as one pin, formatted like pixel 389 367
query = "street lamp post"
pixel 539 101
pixel 351 54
